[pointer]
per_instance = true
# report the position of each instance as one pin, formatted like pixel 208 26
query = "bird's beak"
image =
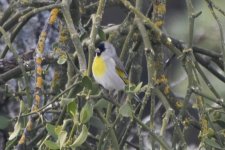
pixel 97 50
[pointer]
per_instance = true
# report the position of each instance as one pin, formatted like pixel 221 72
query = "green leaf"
pixel 211 133
pixel 62 138
pixel 16 131
pixel 86 82
pixel 213 143
pixel 101 104
pixel 10 144
pixel 58 129
pixel 220 122
pixel 55 45
pixel 72 108
pixel 101 34
pixel 22 107
pixel 97 123
pixel 62 59
pixel 4 123
pixel 125 110
pixel 222 132
pixel 86 113
pixel 81 138
pixel 132 88
pixel 51 130
pixel 51 145
pixel 138 87
pixel 216 115
pixel 78 88
pixel 65 101
pixel 95 88
pixel 129 88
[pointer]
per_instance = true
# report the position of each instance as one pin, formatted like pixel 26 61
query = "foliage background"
pixel 65 122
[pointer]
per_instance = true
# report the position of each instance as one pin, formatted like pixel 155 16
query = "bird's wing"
pixel 121 70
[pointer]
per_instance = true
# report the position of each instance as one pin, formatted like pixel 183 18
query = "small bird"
pixel 107 68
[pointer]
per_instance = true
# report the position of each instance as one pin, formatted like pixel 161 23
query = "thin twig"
pixel 217 101
pixel 159 34
pixel 112 134
pixel 54 99
pixel 220 29
pixel 157 138
pixel 20 62
pixel 74 35
pixel 96 20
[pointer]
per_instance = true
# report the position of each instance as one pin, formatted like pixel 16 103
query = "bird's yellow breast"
pixel 98 66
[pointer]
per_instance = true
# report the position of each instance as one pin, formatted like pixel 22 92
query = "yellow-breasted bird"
pixel 107 68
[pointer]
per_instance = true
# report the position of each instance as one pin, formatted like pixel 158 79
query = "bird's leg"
pixel 123 97
pixel 111 94
pixel 115 95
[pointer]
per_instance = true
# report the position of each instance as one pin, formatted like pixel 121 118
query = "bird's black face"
pixel 100 49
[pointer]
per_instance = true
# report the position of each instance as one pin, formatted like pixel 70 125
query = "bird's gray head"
pixel 106 50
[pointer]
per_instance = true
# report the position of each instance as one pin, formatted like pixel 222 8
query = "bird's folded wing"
pixel 121 70
pixel 122 75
